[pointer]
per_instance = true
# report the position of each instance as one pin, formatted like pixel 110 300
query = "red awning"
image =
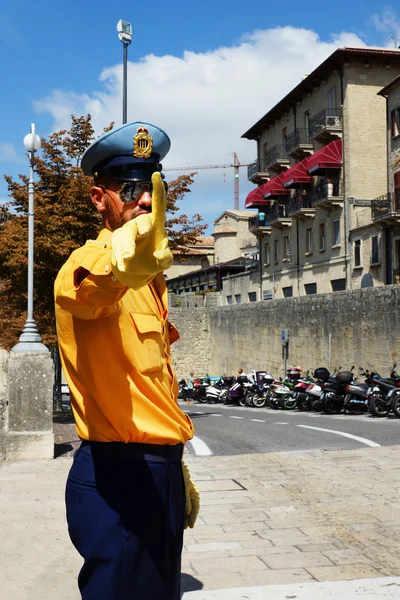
pixel 329 157
pixel 274 187
pixel 256 198
pixel 296 174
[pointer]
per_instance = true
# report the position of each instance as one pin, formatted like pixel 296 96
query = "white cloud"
pixel 388 22
pixel 205 102
pixel 10 155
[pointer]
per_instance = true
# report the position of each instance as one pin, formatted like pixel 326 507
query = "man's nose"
pixel 145 199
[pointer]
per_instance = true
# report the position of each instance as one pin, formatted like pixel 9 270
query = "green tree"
pixel 64 220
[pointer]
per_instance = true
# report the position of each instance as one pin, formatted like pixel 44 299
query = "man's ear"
pixel 97 196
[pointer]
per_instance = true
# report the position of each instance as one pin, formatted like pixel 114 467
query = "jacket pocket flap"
pixel 146 323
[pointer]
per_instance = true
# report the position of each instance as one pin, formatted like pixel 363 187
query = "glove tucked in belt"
pixel 192 499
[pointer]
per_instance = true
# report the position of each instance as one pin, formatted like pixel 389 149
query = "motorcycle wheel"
pixel 288 402
pixel 303 404
pixel 378 407
pixel 259 401
pixel 203 399
pixel 396 405
pixel 249 400
pixel 271 402
pixel 331 407
pixel 224 397
pixel 212 399
pixel 242 401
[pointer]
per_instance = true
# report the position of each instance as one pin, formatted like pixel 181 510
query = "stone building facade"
pixel 315 227
pixel 232 236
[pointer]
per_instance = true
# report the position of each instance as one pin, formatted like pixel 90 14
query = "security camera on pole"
pixel 125 35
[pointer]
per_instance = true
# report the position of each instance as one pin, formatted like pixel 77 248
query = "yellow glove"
pixel 140 247
pixel 192 499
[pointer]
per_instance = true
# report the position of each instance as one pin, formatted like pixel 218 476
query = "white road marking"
pixel 215 414
pixel 280 423
pixel 234 417
pixel 344 434
pixel 200 448
pixel 258 420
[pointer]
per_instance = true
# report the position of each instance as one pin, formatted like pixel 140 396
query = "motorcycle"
pixel 382 393
pixel 334 391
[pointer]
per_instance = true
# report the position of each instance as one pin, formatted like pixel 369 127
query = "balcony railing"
pixel 326 120
pixel 278 211
pixel 261 220
pixel 299 137
pixel 275 155
pixel 326 189
pixel 385 205
pixel 298 202
pixel 252 169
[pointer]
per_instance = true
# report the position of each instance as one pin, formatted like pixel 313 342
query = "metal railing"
pixel 328 118
pixel 252 169
pixel 278 211
pixel 325 189
pixel 297 202
pixel 386 204
pixel 298 137
pixel 276 154
pixel 263 219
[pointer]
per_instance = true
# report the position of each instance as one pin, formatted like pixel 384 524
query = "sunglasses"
pixel 129 192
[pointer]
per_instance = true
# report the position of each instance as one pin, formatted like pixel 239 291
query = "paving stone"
pixel 346 557
pixel 300 559
pixel 211 546
pixel 240 564
pixel 276 577
pixel 343 572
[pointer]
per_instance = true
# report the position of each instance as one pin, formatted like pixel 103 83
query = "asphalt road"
pixel 228 430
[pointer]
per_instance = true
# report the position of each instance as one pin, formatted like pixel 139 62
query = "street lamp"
pixel 30 340
pixel 125 35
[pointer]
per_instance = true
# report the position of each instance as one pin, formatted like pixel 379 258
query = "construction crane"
pixel 236 165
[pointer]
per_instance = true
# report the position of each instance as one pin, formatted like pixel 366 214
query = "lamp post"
pixel 125 35
pixel 30 340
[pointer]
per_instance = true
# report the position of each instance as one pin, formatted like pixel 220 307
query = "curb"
pixel 380 588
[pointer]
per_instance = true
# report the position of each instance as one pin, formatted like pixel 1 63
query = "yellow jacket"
pixel 115 351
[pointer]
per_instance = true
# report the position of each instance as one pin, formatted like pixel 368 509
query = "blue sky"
pixel 205 72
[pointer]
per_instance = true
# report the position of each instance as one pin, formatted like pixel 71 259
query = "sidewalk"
pixel 272 526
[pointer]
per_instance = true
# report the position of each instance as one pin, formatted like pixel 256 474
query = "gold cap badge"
pixel 142 143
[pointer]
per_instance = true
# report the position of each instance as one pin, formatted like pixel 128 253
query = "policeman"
pixel 128 494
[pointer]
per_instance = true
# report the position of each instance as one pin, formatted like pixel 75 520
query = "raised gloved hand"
pixel 140 247
pixel 192 499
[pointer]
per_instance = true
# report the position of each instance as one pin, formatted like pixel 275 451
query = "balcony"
pixel 255 174
pixel 276 158
pixel 299 206
pixel 279 216
pixel 327 193
pixel 261 224
pixel 386 208
pixel 298 143
pixel 327 124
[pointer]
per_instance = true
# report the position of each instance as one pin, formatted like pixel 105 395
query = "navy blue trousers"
pixel 125 512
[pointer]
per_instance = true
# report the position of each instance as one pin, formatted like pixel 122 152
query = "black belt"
pixel 135 451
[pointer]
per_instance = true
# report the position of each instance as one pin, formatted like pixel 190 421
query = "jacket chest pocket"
pixel 148 345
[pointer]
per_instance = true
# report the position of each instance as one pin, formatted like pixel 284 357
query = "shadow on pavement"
pixel 190 583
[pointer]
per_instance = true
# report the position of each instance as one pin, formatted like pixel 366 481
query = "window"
pixel 287 292
pixel 309 241
pixel 357 253
pixel 396 185
pixel 307 126
pixel 287 247
pixel 238 298
pixel 338 285
pixel 336 232
pixel 229 299
pixel 310 288
pixel 374 250
pixel 267 254
pixel 332 99
pixel 395 122
pixel 252 296
pixel 322 236
pixel 284 135
pixel 276 250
